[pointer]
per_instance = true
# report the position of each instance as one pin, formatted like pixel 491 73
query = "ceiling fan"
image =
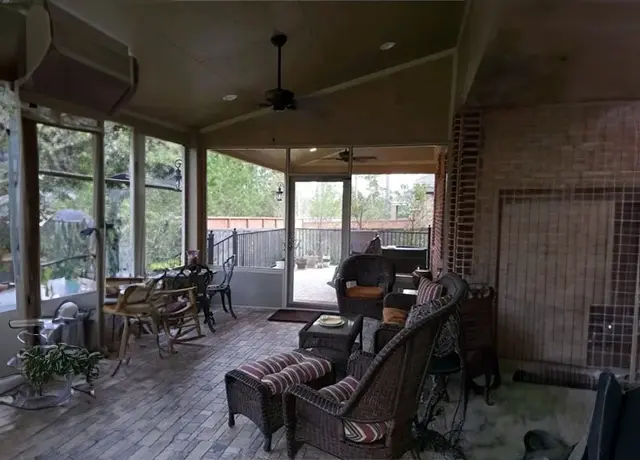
pixel 280 98
pixel 344 156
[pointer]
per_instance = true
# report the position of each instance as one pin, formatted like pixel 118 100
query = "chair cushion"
pixel 283 370
pixel 392 315
pixel 365 292
pixel 355 431
pixel 173 306
pixel 448 335
pixel 428 290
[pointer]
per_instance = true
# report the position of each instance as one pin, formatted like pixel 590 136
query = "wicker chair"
pixel 372 277
pixel 370 413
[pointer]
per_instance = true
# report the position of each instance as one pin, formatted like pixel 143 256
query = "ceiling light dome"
pixel 387 46
pixel 230 97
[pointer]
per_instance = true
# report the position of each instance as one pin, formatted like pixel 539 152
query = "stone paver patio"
pixel 310 285
pixel 175 409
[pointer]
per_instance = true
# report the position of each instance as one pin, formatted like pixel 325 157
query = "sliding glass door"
pixel 317 238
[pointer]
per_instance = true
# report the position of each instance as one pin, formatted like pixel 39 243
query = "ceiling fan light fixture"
pixel 386 46
pixel 230 97
pixel 313 149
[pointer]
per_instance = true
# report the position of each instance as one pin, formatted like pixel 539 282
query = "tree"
pixel 238 188
pixel 325 203
pixel 370 204
pixel 415 203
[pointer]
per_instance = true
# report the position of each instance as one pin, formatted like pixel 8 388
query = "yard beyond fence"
pixel 262 248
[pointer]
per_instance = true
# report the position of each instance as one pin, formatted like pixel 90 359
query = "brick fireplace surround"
pixel 544 204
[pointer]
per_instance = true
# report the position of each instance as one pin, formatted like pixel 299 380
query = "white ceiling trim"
pixel 339 87
pixel 155 121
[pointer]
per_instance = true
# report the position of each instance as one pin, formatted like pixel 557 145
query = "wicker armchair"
pixel 361 284
pixel 370 413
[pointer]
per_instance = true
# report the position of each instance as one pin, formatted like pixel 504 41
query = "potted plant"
pixel 326 260
pixel 49 371
pixel 301 263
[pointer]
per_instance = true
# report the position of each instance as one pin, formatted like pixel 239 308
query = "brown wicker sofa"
pixel 370 413
pixel 372 277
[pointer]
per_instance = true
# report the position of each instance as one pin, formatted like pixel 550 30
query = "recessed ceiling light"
pixel 387 46
pixel 230 97
pixel 312 149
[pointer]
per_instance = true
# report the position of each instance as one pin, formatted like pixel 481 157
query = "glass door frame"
pixel 290 219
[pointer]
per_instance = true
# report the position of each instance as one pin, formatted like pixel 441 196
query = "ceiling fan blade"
pixel 365 158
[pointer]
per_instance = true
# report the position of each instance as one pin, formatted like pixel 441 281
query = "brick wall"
pixel 437 234
pixel 557 221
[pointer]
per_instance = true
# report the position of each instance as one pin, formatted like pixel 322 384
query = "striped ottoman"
pixel 255 389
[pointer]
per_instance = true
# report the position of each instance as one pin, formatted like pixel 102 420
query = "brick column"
pixel 439 196
pixel 462 171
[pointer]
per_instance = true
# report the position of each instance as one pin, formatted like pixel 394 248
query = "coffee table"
pixel 333 343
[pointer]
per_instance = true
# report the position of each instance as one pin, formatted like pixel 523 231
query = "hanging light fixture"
pixel 178 175
pixel 279 192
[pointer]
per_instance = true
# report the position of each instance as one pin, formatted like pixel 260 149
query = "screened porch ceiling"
pixel 351 93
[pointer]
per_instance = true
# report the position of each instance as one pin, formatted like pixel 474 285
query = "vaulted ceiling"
pixel 488 53
pixel 192 54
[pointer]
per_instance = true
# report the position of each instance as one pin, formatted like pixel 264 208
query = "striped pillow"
pixel 355 431
pixel 283 370
pixel 446 343
pixel 428 290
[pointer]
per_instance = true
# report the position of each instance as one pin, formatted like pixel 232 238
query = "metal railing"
pixel 262 248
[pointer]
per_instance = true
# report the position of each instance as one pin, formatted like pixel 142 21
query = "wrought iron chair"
pixel 224 288
pixel 369 414
pixel 362 282
pixel 200 276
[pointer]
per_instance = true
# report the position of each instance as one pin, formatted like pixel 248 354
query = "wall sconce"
pixel 178 175
pixel 280 192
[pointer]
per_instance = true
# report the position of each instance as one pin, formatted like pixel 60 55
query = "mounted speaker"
pixel 69 60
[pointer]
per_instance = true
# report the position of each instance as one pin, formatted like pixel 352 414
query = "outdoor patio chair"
pixel 177 311
pixel 135 307
pixel 370 413
pixel 224 287
pixel 200 277
pixel 361 284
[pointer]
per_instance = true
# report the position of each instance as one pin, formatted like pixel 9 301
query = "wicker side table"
pixel 333 343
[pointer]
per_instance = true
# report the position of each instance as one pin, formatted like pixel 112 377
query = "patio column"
pixel 29 239
pixel 195 196
pixel 98 216
pixel 138 202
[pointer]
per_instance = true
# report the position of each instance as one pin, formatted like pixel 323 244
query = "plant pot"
pixel 280 264
pixel 52 394
pixel 301 263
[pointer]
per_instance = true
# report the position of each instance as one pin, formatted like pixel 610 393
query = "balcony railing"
pixel 262 248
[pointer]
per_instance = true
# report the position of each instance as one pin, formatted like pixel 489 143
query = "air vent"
pixel 77 63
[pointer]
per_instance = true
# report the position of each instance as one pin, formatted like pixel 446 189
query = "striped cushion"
pixel 450 331
pixel 428 290
pixel 281 371
pixel 355 431
pixel 341 390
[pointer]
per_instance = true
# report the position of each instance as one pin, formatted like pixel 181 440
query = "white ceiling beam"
pixel 310 157
pixel 335 88
pixel 253 157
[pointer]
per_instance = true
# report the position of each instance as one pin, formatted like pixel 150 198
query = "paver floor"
pixel 310 285
pixel 175 408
